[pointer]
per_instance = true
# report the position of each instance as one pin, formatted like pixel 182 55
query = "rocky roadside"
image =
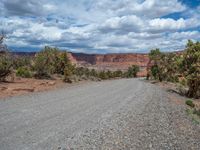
pixel 159 122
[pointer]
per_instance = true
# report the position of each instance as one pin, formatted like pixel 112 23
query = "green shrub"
pixel 23 72
pixel 132 71
pixel 93 73
pixel 50 61
pixel 22 61
pixel 5 59
pixel 190 103
pixel 41 66
pixel 5 65
pixel 118 73
pixel 171 66
pixel 197 112
pixel 68 72
pixel 102 75
pixel 191 68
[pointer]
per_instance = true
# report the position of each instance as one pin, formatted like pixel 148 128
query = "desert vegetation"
pixel 182 68
pixel 52 61
pixel 5 60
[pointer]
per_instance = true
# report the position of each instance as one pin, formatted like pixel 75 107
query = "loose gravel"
pixel 120 114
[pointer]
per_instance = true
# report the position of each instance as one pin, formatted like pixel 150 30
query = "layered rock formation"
pixel 112 61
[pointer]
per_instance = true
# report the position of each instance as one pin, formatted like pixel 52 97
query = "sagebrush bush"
pixel 23 72
pixel 5 59
pixel 68 72
pixel 197 112
pixel 22 61
pixel 132 71
pixel 5 65
pixel 191 68
pixel 50 61
pixel 171 66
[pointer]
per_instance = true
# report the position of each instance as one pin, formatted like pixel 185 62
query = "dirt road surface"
pixel 119 114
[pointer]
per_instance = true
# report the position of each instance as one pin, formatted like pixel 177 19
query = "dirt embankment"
pixel 22 86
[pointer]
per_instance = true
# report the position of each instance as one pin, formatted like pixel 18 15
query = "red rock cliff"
pixel 112 61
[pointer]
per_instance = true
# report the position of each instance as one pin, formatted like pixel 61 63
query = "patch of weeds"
pixel 23 72
pixel 193 114
pixel 190 103
pixel 189 111
pixel 197 112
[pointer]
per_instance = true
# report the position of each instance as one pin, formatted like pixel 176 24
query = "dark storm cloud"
pixel 22 7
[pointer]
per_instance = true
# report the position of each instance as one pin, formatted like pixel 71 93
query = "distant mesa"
pixel 112 61
pixel 106 61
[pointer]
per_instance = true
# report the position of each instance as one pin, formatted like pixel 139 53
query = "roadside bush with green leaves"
pixel 41 66
pixel 23 72
pixel 191 68
pixel 5 59
pixel 190 103
pixel 132 71
pixel 175 66
pixel 50 61
pixel 5 65
pixel 68 72
pixel 118 73
pixel 196 111
pixel 93 73
pixel 155 57
pixel 102 75
pixel 22 61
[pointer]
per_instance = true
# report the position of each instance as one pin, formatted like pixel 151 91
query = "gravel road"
pixel 119 114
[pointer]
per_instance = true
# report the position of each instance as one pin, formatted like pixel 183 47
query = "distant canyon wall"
pixel 111 61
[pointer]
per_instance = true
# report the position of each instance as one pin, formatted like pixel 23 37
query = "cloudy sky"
pixel 100 26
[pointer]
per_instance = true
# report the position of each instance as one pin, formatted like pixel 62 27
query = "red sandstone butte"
pixel 112 61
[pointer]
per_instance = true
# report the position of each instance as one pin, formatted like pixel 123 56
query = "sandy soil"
pixel 22 86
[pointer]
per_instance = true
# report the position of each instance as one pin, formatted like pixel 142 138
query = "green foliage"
pixel 42 65
pixel 191 68
pixel 23 72
pixel 50 61
pixel 189 103
pixel 165 66
pixel 68 72
pixel 172 66
pixel 118 73
pixel 81 71
pixel 5 65
pixel 155 55
pixel 132 71
pixel 62 62
pixel 194 114
pixel 102 75
pixel 22 61
pixel 197 112
pixel 5 59
pixel 156 70
pixel 93 73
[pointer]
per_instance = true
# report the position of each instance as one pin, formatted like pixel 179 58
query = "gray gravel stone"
pixel 120 114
